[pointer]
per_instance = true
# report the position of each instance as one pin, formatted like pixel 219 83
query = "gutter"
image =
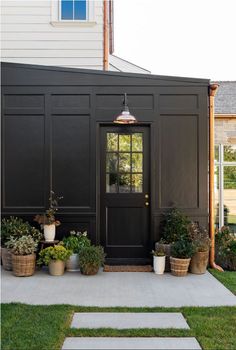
pixel 105 36
pixel 212 91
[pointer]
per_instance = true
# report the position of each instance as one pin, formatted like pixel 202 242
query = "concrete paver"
pixel 131 343
pixel 128 320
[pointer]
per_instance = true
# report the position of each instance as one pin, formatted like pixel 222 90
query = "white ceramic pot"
pixel 49 232
pixel 159 264
pixel 72 264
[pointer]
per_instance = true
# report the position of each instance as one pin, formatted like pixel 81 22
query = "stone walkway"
pixel 95 320
pixel 131 289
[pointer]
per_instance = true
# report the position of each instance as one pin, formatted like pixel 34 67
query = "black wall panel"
pixel 51 120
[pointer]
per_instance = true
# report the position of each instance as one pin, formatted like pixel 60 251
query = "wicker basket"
pixel 23 265
pixel 6 259
pixel 179 267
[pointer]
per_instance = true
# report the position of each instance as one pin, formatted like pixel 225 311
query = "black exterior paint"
pixel 51 133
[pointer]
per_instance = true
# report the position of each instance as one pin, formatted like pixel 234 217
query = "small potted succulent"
pixel 75 242
pixel 159 260
pixel 181 253
pixel 201 241
pixel 47 221
pixel 23 255
pixel 91 259
pixel 173 224
pixel 55 258
pixel 14 227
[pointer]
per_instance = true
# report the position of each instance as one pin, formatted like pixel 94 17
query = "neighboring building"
pixel 65 33
pixel 225 140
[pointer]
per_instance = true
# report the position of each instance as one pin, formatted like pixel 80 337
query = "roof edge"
pixel 108 73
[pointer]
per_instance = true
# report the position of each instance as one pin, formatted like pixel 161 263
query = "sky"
pixel 188 38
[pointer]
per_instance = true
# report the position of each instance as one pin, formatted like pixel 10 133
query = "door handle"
pixel 146 196
pixel 146 204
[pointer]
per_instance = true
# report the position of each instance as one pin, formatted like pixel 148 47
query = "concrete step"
pixel 95 343
pixel 125 320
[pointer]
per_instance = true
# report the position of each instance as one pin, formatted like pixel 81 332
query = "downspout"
pixel 105 36
pixel 212 91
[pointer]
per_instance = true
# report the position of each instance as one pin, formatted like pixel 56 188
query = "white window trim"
pixel 221 163
pixel 58 22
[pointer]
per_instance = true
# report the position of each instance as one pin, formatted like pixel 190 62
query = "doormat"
pixel 127 268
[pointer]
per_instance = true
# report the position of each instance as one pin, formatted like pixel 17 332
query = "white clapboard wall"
pixel 32 33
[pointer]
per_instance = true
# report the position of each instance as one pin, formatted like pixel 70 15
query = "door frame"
pixel 152 172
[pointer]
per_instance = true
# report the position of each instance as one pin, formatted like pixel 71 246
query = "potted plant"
pixel 90 259
pixel 181 253
pixel 55 258
pixel 47 220
pixel 23 255
pixel 75 242
pixel 201 241
pixel 16 228
pixel 172 225
pixel 159 260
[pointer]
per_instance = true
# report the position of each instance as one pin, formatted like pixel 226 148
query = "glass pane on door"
pixel 124 163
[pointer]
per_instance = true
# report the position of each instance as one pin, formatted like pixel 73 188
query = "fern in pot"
pixel 201 241
pixel 159 259
pixel 91 259
pixel 174 223
pixel 54 258
pixel 23 255
pixel 75 242
pixel 181 253
pixel 47 221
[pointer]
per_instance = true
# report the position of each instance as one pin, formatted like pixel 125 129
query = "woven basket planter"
pixel 179 267
pixel 6 259
pixel 89 270
pixel 23 265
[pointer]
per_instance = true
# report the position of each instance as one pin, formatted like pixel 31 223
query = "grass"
pixel 29 327
pixel 228 278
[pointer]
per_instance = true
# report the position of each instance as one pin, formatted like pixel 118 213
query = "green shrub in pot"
pixel 91 258
pixel 55 258
pixel 15 227
pixel 23 255
pixel 181 253
pixel 174 225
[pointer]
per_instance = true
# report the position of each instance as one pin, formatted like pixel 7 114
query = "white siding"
pixel 30 34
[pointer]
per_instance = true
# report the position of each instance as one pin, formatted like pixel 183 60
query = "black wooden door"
pixel 125 196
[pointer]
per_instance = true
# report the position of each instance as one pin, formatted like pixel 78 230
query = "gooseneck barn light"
pixel 125 117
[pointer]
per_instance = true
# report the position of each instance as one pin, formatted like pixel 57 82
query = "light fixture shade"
pixel 125 117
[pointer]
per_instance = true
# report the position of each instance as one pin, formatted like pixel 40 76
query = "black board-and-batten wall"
pixel 54 124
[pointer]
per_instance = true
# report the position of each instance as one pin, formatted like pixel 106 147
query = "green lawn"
pixel 228 278
pixel 28 327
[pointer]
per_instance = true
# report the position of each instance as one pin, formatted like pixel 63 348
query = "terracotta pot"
pixel 89 270
pixel 56 267
pixel 23 265
pixel 6 259
pixel 199 262
pixel 167 249
pixel 72 264
pixel 179 267
pixel 49 232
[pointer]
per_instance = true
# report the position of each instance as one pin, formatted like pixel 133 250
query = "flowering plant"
pixel 76 241
pixel 199 237
pixel 25 245
pixel 53 253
